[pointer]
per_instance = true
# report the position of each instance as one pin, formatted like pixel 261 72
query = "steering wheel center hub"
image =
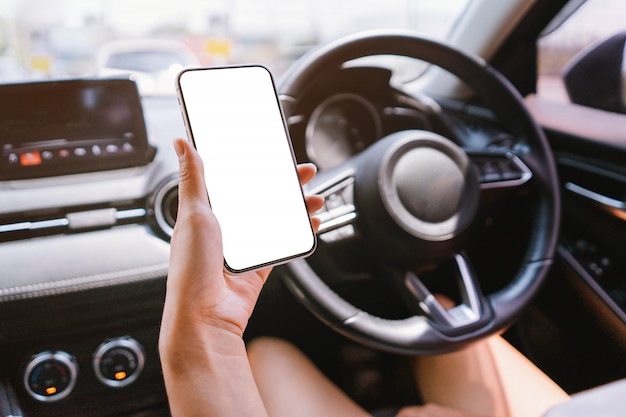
pixel 428 186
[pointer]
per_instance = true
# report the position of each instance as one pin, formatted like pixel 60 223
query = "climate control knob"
pixel 50 376
pixel 118 362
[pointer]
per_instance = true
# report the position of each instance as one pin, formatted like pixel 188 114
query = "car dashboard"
pixel 87 206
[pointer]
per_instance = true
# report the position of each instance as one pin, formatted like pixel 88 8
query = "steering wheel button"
pixel 333 201
pixel 336 235
pixel 489 172
pixel 348 193
pixel 509 171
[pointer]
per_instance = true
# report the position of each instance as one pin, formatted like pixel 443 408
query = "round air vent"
pixel 164 205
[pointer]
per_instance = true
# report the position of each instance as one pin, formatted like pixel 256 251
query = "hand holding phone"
pixel 234 119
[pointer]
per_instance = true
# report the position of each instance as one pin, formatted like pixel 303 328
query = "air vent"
pixel 164 206
pixel 71 220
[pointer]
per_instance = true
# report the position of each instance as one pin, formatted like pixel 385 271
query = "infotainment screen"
pixel 50 128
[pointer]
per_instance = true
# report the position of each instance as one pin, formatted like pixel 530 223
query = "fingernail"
pixel 310 164
pixel 179 147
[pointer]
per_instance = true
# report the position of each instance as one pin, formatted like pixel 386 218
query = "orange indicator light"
pixel 51 390
pixel 120 375
pixel 30 158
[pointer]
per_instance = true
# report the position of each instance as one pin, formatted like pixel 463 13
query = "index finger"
pixel 306 172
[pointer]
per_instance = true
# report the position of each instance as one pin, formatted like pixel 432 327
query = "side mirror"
pixel 594 78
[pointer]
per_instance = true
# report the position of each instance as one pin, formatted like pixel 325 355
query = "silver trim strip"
pixel 130 214
pixel 43 224
pixel 595 197
pixel 77 220
pixel 465 314
pixel 337 222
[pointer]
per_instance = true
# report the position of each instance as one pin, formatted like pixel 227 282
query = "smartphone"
pixel 234 118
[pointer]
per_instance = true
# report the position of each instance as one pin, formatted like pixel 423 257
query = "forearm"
pixel 208 375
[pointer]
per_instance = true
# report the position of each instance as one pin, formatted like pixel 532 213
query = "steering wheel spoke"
pixel 501 170
pixel 339 212
pixel 472 310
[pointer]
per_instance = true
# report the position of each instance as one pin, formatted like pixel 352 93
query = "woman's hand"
pixel 206 308
pixel 198 284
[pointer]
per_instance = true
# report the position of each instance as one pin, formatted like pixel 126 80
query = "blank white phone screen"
pixel 234 119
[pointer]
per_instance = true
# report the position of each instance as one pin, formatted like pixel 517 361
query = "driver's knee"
pixel 266 347
pixel 433 410
pixel 273 355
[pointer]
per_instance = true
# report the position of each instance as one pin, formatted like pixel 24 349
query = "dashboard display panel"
pixel 70 126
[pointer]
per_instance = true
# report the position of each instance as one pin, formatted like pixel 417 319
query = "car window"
pixel 62 38
pixel 591 23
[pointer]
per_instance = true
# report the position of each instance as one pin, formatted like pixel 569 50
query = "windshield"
pixel 63 38
pixel 144 60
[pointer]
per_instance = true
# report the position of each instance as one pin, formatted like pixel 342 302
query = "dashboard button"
pixel 30 158
pixel 118 362
pixel 50 376
pixel 80 151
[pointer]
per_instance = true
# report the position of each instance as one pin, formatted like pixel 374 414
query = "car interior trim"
pixel 165 203
pixel 611 205
pixel 72 221
pixel 573 119
pixel 465 36
pixel 36 225
pixel 583 277
pixel 83 283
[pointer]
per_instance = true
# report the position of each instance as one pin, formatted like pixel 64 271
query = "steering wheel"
pixel 414 196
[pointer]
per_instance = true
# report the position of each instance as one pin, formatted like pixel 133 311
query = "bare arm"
pixel 210 376
pixel 203 356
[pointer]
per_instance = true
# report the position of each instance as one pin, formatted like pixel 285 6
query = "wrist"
pixel 190 343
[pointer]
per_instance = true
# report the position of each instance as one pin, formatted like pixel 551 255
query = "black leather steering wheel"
pixel 415 195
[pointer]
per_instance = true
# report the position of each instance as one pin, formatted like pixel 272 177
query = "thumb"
pixel 192 192
pixel 197 231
